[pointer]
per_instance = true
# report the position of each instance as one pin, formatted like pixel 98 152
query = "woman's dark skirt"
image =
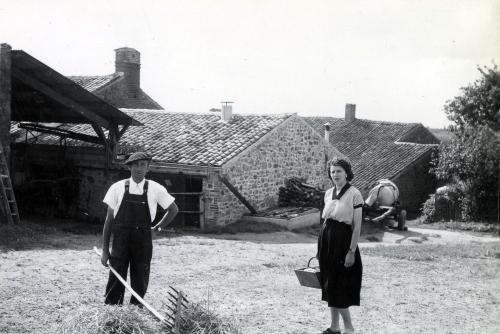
pixel 340 286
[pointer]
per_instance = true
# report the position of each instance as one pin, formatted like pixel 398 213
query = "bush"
pixel 445 205
pixel 428 209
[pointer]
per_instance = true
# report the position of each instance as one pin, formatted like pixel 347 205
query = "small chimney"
pixel 327 132
pixel 128 61
pixel 350 112
pixel 227 111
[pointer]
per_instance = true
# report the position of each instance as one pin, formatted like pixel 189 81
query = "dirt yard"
pixel 416 281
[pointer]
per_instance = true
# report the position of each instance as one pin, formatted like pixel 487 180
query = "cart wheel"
pixel 402 221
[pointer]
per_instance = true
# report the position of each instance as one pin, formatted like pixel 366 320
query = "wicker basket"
pixel 309 276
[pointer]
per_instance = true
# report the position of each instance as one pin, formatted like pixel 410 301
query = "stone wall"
pixel 292 149
pixel 221 206
pixel 94 183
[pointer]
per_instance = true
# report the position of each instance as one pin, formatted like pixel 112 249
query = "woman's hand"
pixel 349 259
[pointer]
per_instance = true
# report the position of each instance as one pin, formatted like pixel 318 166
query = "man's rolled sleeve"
pixel 163 198
pixel 111 198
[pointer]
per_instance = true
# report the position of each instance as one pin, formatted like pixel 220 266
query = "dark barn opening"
pixel 188 193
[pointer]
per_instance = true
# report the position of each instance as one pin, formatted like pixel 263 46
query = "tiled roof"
pixel 192 139
pixel 93 83
pixel 376 149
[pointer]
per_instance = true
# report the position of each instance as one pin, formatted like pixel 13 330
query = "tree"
pixel 479 105
pixel 470 161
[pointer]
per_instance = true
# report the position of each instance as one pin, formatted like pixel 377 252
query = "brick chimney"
pixel 327 132
pixel 227 111
pixel 350 112
pixel 128 61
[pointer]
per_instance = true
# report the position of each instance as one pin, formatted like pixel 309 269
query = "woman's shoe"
pixel 329 331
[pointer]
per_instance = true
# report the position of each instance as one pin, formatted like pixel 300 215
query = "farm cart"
pixel 382 205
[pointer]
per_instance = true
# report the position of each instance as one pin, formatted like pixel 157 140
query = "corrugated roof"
pixel 376 149
pixel 92 83
pixel 193 139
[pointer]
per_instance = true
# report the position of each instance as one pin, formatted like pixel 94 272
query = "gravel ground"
pixel 415 281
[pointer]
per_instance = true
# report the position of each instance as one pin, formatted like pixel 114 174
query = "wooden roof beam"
pixel 122 131
pixel 50 92
pixel 63 133
pixel 99 132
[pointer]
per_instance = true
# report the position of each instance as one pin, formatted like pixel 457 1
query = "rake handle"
pixel 135 294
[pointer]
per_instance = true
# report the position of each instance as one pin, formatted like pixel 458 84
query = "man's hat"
pixel 138 156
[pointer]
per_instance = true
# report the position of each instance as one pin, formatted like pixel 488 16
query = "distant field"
pixel 443 135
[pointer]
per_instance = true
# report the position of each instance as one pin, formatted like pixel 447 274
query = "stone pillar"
pixel 5 97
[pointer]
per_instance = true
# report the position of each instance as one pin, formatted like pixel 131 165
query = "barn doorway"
pixel 188 192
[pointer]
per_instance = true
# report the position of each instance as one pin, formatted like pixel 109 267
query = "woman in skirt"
pixel 338 254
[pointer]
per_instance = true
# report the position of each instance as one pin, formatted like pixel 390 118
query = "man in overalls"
pixel 132 207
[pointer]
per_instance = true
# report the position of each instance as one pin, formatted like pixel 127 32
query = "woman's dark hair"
pixel 341 162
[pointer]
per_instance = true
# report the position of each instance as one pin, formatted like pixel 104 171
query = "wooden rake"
pixel 176 302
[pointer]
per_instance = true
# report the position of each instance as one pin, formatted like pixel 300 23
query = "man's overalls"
pixel 132 244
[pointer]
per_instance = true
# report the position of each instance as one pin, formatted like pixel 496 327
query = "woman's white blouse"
pixel 342 209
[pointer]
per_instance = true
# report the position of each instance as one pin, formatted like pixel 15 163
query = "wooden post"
pixel 110 147
pixel 5 98
pixel 202 210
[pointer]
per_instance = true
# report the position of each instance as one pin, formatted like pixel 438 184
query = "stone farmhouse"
pixel 217 166
pixel 378 150
pixel 70 135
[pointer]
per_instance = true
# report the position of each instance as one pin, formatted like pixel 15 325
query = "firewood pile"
pixel 298 193
pixel 284 212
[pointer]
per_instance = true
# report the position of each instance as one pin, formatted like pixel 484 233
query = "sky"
pixel 396 60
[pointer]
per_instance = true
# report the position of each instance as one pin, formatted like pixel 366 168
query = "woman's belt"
pixel 133 227
pixel 331 221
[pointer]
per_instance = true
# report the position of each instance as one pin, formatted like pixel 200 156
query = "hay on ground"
pixel 197 320
pixel 130 319
pixel 106 319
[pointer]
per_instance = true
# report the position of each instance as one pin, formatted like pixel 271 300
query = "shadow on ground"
pixel 43 233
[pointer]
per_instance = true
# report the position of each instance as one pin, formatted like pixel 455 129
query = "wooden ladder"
pixel 8 200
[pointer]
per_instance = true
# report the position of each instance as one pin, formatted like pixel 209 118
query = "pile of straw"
pixel 129 319
pixel 198 320
pixel 102 319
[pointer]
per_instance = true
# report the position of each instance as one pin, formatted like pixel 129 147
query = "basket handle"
pixel 309 262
